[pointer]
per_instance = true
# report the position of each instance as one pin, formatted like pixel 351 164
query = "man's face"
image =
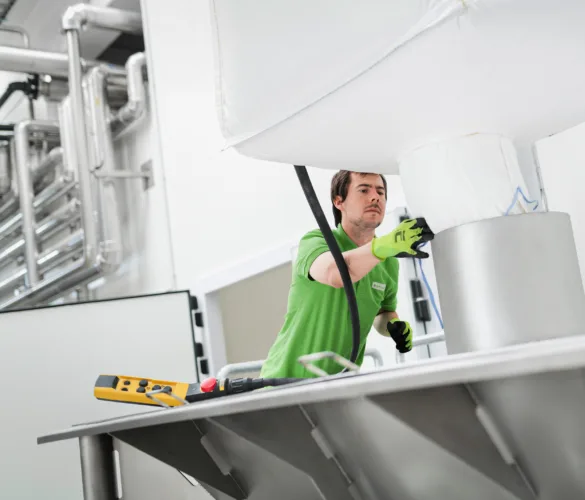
pixel 365 204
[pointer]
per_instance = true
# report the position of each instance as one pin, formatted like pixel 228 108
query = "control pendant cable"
pixel 307 186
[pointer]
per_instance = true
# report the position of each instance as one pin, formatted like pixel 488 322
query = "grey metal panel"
pixel 389 459
pixel 512 280
pixel 143 477
pixel 509 280
pixel 543 417
pixel 286 433
pixel 447 416
pixel 179 445
pixel 264 474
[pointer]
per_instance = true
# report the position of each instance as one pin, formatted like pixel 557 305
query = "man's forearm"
pixel 360 261
pixel 381 321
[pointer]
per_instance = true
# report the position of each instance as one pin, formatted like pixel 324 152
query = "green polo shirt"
pixel 318 317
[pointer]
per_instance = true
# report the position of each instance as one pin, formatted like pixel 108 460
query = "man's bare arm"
pixel 381 321
pixel 360 261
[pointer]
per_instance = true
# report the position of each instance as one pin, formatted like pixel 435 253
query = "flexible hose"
pixel 307 186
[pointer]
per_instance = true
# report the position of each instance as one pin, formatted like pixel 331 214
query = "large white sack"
pixel 354 84
pixel 464 179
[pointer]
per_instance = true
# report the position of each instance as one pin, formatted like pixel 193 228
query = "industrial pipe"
pixel 47 261
pixel 46 228
pixel 104 158
pixel 18 30
pixel 56 190
pixel 25 190
pixel 77 16
pixel 93 257
pixel 5 169
pixel 81 148
pixel 35 61
pixel 50 162
pixel 9 205
pixel 134 108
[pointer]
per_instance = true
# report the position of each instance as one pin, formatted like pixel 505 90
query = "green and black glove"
pixel 401 334
pixel 404 241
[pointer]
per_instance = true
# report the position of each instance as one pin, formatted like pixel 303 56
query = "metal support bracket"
pixel 146 174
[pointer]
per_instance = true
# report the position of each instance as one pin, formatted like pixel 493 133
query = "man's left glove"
pixel 401 333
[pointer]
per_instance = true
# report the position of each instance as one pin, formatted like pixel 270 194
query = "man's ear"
pixel 337 202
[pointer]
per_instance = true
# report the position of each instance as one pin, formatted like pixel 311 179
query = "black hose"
pixel 336 252
pixel 29 88
pixel 11 89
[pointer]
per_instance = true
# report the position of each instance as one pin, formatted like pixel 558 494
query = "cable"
pixel 337 256
pixel 430 290
pixel 424 277
pixel 515 200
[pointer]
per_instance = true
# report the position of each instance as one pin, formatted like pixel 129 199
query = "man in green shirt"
pixel 318 316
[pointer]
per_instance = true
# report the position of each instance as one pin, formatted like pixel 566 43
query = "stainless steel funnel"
pixel 514 280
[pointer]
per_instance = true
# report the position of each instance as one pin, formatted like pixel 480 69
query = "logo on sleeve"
pixel 378 286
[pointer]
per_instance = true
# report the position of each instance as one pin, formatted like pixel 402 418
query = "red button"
pixel 208 384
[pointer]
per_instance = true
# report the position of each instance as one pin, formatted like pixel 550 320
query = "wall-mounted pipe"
pixel 5 168
pixel 77 16
pixel 9 28
pixel 134 108
pixel 17 60
pixel 22 132
pixel 55 191
pixel 50 162
pixel 92 261
pixel 102 155
pixel 47 261
pixel 48 227
pixel 81 149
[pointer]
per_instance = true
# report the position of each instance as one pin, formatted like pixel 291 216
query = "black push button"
pixel 126 382
pixel 168 388
pixel 143 383
pixel 124 389
pixel 156 388
pixel 141 389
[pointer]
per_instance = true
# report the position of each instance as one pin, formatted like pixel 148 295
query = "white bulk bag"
pixel 358 84
pixel 353 83
pixel 464 179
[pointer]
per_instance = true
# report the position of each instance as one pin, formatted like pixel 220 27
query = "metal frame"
pixel 236 436
pixel 256 366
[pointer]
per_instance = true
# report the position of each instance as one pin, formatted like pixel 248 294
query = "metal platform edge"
pixel 516 361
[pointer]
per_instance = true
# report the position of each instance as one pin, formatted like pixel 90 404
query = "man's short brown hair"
pixel 340 185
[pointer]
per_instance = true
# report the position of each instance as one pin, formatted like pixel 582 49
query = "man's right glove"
pixel 404 240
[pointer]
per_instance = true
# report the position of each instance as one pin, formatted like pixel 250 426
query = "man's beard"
pixel 365 225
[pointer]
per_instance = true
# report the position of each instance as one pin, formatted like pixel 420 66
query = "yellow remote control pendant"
pixel 137 390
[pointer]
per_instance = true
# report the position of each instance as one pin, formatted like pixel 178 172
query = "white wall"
pixel 561 158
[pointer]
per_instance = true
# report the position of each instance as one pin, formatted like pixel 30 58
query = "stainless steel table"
pixel 502 424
